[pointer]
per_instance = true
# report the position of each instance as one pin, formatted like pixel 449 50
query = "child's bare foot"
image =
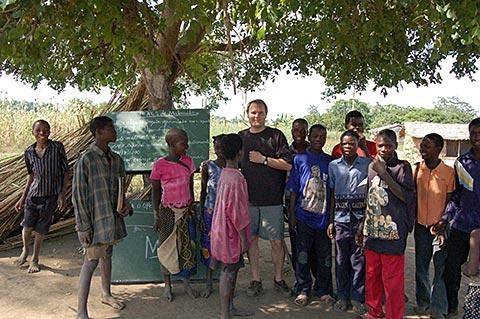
pixel 22 258
pixel 207 292
pixel 191 292
pixel 167 293
pixel 112 302
pixel 235 312
pixel 82 316
pixel 34 267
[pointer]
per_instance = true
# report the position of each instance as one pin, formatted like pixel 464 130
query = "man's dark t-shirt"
pixel 265 184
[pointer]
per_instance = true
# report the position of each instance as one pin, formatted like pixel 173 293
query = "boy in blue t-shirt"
pixel 308 213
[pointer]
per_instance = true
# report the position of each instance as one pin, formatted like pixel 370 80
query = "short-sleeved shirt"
pixel 371 146
pixel 464 207
pixel 95 195
pixel 175 180
pixel 265 184
pixel 230 217
pixel 433 185
pixel 48 171
pixel 389 219
pixel 309 181
pixel 349 184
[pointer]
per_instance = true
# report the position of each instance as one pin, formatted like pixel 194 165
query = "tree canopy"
pixel 196 46
pixel 445 110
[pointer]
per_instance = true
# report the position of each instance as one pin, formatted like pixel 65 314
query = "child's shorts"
pixel 98 251
pixel 39 213
pixel 267 222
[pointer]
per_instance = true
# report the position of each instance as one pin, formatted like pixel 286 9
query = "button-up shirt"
pixel 48 171
pixel 349 184
pixel 433 185
pixel 94 195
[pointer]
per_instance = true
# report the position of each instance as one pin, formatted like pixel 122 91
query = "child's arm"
pixel 292 219
pixel 379 166
pixel 331 227
pixel 203 192
pixel 80 195
pixel 61 196
pixel 21 202
pixel 243 240
pixel 156 197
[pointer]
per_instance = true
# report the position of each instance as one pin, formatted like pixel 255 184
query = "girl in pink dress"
pixel 172 198
pixel 230 234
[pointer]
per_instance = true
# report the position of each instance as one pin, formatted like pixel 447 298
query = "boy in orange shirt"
pixel 435 183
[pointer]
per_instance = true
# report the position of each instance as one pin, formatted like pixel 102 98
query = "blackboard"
pixel 141 135
pixel 135 257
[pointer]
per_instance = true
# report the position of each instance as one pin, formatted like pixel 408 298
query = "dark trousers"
pixel 434 295
pixel 458 247
pixel 312 240
pixel 350 264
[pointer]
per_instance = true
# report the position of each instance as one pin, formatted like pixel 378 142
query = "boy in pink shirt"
pixel 230 234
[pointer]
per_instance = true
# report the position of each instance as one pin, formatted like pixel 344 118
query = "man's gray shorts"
pixel 267 222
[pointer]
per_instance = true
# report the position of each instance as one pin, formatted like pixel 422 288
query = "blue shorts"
pixel 39 213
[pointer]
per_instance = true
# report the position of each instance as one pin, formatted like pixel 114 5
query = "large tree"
pixel 179 47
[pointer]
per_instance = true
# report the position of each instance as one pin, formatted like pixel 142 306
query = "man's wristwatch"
pixel 265 161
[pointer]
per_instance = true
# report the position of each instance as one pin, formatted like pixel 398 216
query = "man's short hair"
pixel 351 134
pixel 40 122
pixel 388 133
pixel 300 121
pixel 99 122
pixel 316 127
pixel 437 139
pixel 231 144
pixel 474 123
pixel 352 114
pixel 259 102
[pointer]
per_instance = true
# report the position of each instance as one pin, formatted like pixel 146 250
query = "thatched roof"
pixel 447 131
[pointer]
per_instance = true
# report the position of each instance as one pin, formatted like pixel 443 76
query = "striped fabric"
pixel 94 195
pixel 48 171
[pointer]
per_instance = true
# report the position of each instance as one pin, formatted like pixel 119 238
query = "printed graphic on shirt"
pixel 464 178
pixel 314 194
pixel 377 224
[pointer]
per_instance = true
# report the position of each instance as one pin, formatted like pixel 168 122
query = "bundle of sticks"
pixel 13 174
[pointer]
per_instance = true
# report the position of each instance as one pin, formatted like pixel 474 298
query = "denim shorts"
pixel 267 222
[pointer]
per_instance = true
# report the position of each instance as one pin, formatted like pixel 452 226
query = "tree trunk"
pixel 159 85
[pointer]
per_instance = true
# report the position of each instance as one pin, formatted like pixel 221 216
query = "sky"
pixel 288 94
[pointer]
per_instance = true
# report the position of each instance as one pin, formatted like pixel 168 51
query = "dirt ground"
pixel 51 293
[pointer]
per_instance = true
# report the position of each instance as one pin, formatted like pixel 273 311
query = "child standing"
pixel 348 187
pixel 44 193
pixel 308 213
pixel 354 121
pixel 231 236
pixel 210 174
pixel 172 197
pixel 99 220
pixel 390 197
pixel 435 182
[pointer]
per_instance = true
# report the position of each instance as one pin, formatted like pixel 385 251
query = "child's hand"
pixel 85 237
pixel 379 165
pixel 126 209
pixel 331 231
pixel 243 244
pixel 156 223
pixel 359 239
pixel 20 205
pixel 61 202
pixel 438 228
pixel 441 240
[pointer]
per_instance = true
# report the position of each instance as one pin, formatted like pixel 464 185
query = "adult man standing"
pixel 265 161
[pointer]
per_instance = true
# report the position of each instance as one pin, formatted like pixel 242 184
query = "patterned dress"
pixel 213 171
